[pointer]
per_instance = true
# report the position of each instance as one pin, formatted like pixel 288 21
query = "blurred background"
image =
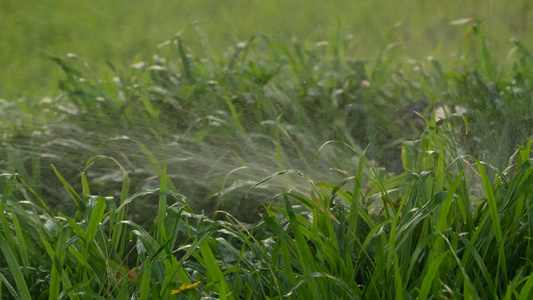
pixel 122 31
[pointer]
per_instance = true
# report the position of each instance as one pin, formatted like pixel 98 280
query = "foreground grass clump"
pixel 417 235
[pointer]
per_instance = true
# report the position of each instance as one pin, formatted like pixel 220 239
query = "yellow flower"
pixel 185 287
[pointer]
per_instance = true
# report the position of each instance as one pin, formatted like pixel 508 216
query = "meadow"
pixel 268 162
pixel 121 31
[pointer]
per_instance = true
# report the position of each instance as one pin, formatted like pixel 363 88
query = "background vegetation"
pixel 227 163
pixel 119 31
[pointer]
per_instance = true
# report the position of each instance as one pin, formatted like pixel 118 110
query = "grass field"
pixel 120 31
pixel 267 152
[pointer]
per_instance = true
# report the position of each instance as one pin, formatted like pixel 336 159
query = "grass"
pixel 225 122
pixel 421 235
pixel 191 175
pixel 119 32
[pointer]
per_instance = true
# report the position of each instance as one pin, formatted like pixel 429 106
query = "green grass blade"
pixel 96 218
pixel 6 230
pixel 8 188
pixel 185 61
pixel 149 108
pixel 58 274
pixel 85 185
pixel 234 114
pixel 81 205
pixel 429 277
pixel 14 268
pixel 481 265
pixel 21 239
pixel 355 206
pixel 445 206
pixel 212 266
pixel 146 288
pixel 10 288
pixel 304 253
pixel 525 292
pixel 491 201
pixel 162 207
pixel 399 292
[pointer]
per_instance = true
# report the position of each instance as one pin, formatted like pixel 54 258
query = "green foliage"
pixel 223 121
pixel 119 31
pixel 412 236
pixel 233 129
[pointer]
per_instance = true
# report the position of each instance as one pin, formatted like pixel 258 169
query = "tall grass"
pixel 237 133
pixel 417 235
pixel 224 121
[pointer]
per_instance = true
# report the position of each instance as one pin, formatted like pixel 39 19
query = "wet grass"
pixel 197 174
pixel 414 236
